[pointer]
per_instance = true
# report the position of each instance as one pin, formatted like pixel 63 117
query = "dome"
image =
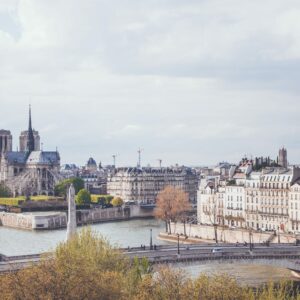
pixel 91 162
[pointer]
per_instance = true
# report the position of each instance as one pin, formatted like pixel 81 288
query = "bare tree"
pixel 171 205
pixel 211 210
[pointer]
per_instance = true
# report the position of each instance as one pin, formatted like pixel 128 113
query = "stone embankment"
pixel 206 233
pixel 55 220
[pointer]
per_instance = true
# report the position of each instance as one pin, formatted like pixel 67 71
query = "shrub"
pixel 83 197
pixel 117 201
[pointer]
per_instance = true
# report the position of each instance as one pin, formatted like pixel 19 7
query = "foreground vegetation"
pixel 88 267
pixel 9 201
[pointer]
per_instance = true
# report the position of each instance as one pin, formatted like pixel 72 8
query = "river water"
pixel 133 233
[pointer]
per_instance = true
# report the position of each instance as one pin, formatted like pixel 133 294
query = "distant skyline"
pixel 190 82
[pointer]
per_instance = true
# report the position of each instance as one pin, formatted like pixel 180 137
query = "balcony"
pixel 273 214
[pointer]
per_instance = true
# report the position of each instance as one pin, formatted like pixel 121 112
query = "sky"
pixel 191 82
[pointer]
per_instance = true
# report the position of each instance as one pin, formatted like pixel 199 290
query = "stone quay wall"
pixel 98 215
pixel 56 220
pixel 16 220
pixel 227 235
pixel 33 221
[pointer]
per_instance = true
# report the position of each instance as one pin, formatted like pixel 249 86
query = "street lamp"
pixel 151 245
pixel 250 239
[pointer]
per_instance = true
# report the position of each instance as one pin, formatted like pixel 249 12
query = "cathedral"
pixel 30 170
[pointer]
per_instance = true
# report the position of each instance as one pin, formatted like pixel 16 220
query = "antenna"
pixel 139 161
pixel 159 161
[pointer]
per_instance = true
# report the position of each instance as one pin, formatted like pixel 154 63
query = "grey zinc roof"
pixel 16 157
pixel 43 157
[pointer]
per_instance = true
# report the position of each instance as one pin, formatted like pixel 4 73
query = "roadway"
pixel 192 252
pixel 209 251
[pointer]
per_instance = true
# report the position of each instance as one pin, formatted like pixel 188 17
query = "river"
pixel 133 233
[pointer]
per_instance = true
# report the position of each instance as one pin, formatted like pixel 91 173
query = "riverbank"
pixel 173 238
pixel 51 220
pixel 207 233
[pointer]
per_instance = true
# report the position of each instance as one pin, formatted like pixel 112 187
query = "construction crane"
pixel 114 156
pixel 159 161
pixel 139 159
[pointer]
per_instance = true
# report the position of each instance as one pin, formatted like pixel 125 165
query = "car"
pixel 217 250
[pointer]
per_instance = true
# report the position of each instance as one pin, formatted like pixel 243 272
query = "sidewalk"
pixel 182 239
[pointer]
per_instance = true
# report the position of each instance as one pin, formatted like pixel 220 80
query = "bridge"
pixel 278 255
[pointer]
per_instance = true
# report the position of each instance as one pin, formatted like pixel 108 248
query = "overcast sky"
pixel 191 82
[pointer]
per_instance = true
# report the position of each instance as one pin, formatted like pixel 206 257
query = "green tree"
pixel 61 187
pixel 117 201
pixel 83 197
pixel 4 190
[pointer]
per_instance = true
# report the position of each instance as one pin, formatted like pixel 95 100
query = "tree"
pixel 83 197
pixel 117 201
pixel 4 190
pixel 61 187
pixel 171 204
pixel 211 210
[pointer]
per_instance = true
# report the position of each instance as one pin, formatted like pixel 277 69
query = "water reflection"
pixel 126 233
pixel 245 274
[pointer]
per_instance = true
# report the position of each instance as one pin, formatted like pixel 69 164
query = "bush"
pixel 103 200
pixel 18 200
pixel 117 201
pixel 11 201
pixel 83 197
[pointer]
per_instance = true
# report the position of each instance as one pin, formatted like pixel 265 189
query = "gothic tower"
pixel 29 139
pixel 5 141
pixel 282 158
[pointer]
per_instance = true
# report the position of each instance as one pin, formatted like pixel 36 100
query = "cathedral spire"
pixel 30 139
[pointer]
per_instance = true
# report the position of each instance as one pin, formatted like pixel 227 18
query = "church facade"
pixel 29 171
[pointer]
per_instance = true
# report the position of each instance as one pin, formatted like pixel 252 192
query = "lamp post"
pixel 151 245
pixel 250 240
pixel 178 250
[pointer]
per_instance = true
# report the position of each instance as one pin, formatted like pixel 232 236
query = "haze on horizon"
pixel 190 82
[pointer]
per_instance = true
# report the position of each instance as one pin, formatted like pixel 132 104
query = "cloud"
pixel 190 81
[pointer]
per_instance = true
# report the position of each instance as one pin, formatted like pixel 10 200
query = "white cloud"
pixel 179 78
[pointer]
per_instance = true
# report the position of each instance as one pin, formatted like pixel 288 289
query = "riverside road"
pixel 284 255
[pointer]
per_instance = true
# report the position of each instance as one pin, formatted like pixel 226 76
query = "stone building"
pixel 24 136
pixel 294 207
pixel 275 188
pixel 253 207
pixel 266 200
pixel 30 171
pixel 282 158
pixel 143 184
pixel 91 165
pixel 210 199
